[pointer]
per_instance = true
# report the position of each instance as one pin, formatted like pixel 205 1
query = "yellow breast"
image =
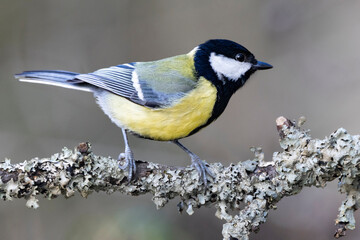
pixel 163 124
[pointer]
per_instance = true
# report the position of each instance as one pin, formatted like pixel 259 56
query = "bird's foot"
pixel 202 167
pixel 127 162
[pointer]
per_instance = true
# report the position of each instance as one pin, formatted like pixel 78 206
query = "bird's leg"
pixel 129 162
pixel 200 165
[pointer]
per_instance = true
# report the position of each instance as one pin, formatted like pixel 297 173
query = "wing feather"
pixel 148 84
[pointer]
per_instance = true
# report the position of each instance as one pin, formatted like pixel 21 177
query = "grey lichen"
pixel 250 188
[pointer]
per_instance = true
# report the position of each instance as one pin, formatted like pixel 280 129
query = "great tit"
pixel 167 99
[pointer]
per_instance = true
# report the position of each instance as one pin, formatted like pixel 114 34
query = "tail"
pixel 56 78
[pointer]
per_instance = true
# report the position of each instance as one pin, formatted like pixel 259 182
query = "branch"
pixel 304 162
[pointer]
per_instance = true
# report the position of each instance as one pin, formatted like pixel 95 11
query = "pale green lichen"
pixel 242 193
pixel 32 202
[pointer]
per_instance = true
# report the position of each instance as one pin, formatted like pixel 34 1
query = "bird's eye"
pixel 240 57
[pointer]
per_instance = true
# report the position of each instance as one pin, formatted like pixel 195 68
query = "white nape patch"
pixel 228 67
pixel 136 85
pixel 58 84
pixel 192 52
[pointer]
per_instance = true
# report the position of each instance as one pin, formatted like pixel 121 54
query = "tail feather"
pixel 54 77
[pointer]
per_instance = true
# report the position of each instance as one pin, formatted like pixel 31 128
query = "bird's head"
pixel 225 63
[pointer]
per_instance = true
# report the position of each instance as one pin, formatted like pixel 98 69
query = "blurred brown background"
pixel 313 46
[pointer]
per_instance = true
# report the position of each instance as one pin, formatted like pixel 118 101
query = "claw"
pixel 202 167
pixel 127 160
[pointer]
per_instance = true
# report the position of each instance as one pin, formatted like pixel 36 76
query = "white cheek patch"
pixel 228 67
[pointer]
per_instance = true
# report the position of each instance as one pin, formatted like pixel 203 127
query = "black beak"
pixel 261 66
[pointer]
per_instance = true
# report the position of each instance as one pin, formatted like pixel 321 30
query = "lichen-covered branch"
pixel 251 188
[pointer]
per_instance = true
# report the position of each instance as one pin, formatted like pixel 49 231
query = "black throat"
pixel 225 87
pixel 225 92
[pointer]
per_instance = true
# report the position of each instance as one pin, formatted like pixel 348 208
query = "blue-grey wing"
pixel 158 89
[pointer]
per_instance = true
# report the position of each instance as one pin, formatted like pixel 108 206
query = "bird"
pixel 167 99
